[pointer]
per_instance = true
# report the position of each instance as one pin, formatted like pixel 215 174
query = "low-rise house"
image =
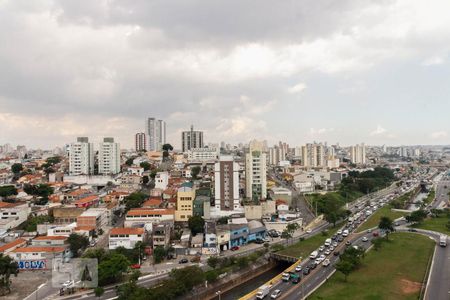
pixel 37 257
pixel 135 170
pixel 76 194
pixel 13 214
pixel 223 237
pixel 161 235
pixel 256 231
pixel 197 241
pixel 95 217
pixel 130 182
pixel 88 201
pixel 137 217
pixel 153 202
pixel 11 246
pixel 162 180
pixel 238 234
pixel 49 241
pixel 125 237
pixel 66 214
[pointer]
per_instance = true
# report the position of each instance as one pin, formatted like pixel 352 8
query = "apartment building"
pixel 81 157
pixel 256 172
pixel 185 204
pixel 226 186
pixel 141 216
pixel 109 157
pixel 156 134
pixel 358 154
pixel 191 139
pixel 140 141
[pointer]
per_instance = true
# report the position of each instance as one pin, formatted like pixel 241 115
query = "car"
pixel 365 239
pixel 317 261
pixel 306 270
pixel 369 231
pixel 312 266
pixel 308 231
pixel 296 279
pixel 135 266
pixel 298 268
pixel 335 244
pixel 345 233
pixel 375 233
pixel 275 294
pixel 322 257
pixel 67 283
pixel 336 253
pixel 285 277
pixel 339 232
pixel 234 248
pixel 259 241
pixel 321 248
pixel 331 248
pixel 183 261
pixel 348 243
pixel 334 237
pixel 326 262
pixel 327 252
pixel 412 230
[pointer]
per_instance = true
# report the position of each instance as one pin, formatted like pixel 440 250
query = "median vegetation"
pixel 374 219
pixel 438 221
pixel 395 271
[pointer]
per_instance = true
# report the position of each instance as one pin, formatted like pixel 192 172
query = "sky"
pixel 346 71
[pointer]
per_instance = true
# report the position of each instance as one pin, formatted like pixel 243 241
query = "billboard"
pixel 40 264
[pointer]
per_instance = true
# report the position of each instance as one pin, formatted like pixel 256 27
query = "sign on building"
pixel 33 264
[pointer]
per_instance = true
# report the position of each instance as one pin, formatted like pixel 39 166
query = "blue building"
pixel 238 234
pixel 256 230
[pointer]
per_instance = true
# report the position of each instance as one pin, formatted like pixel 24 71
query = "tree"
pixel 7 190
pixel 77 243
pixel 112 267
pixel 134 200
pixel 145 179
pixel 196 224
pixel 99 291
pixel 417 216
pixel 345 267
pixel 386 225
pixel 242 262
pixel 377 242
pixel 129 161
pixel 188 277
pixel 167 147
pixel 211 276
pixel 16 168
pixel 195 171
pixel 8 267
pixel 158 254
pixel 40 190
pixel 145 165
pixel 213 261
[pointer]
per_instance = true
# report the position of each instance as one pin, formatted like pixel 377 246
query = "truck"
pixel 443 241
pixel 263 291
pixel 295 278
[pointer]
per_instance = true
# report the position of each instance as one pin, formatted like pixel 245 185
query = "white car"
pixel 326 262
pixel 67 284
pixel 365 239
pixel 327 252
pixel 275 294
pixel 321 248
pixel 308 231
pixel 298 268
pixel 345 233
pixel 331 248
pixel 335 244
pixel 339 231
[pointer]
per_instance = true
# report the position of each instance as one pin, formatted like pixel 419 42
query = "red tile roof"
pixel 47 238
pixel 143 211
pixel 86 199
pixel 15 243
pixel 116 231
pixel 39 249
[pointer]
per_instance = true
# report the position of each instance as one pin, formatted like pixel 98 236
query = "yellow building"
pixel 185 204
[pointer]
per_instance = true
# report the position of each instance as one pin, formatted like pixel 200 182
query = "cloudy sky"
pixel 345 71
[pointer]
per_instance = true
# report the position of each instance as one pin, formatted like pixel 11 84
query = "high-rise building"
pixel 226 185
pixel 140 141
pixel 313 155
pixel 156 134
pixel 358 154
pixel 256 172
pixel 81 157
pixel 109 157
pixel 191 139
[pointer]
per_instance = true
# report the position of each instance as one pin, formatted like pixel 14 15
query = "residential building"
pixel 156 134
pixel 49 241
pixel 11 246
pixel 125 237
pixel 81 157
pixel 66 214
pixel 161 235
pixel 137 217
pixel 185 204
pixel 358 154
pixel 313 155
pixel 95 217
pixel 238 234
pixel 223 237
pixel 87 201
pixel 13 214
pixel 226 186
pixel 162 180
pixel 109 157
pixel 191 139
pixel 256 230
pixel 203 154
pixel 256 172
pixel 140 141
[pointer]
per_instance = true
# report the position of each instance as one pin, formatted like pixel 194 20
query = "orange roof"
pixel 39 249
pixel 51 237
pixel 12 244
pixel 86 199
pixel 115 231
pixel 143 211
pixel 5 204
pixel 78 192
pixel 152 202
pixel 280 201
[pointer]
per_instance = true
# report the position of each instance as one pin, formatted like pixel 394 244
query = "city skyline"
pixel 373 73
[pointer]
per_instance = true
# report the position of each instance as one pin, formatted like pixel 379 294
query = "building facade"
pixel 140 141
pixel 226 185
pixel 313 155
pixel 156 134
pixel 256 172
pixel 109 157
pixel 191 139
pixel 81 157
pixel 125 237
pixel 358 154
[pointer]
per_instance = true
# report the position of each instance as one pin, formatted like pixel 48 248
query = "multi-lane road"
pixel 442 193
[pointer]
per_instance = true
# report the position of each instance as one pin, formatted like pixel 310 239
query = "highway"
pixel 442 190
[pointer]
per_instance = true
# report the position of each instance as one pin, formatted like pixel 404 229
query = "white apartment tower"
pixel 81 157
pixel 156 134
pixel 313 155
pixel 256 172
pixel 191 139
pixel 358 154
pixel 109 157
pixel 140 141
pixel 226 185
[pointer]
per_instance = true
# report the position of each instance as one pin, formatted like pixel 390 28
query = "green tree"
pixel 196 224
pixel 8 267
pixel 31 223
pixel 99 291
pixel 7 190
pixel 16 168
pixel 111 269
pixel 145 165
pixel 145 179
pixel 135 200
pixel 40 190
pixel 167 147
pixel 77 243
pixel 242 262
pixel 386 225
pixel 158 254
pixel 377 243
pixel 195 171
pixel 211 276
pixel 417 216
pixel 188 277
pixel 129 161
pixel 345 267
pixel 213 261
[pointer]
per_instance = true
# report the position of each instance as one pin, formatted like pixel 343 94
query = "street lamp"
pixel 218 294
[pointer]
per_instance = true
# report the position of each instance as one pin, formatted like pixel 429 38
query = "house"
pixel 141 216
pixel 130 182
pixel 197 241
pixel 87 201
pixel 256 231
pixel 11 246
pixel 238 234
pixel 135 170
pixel 49 241
pixel 125 237
pixel 162 180
pixel 94 217
pixel 161 235
pixel 76 194
pixel 13 214
pixel 223 237
pixel 153 202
